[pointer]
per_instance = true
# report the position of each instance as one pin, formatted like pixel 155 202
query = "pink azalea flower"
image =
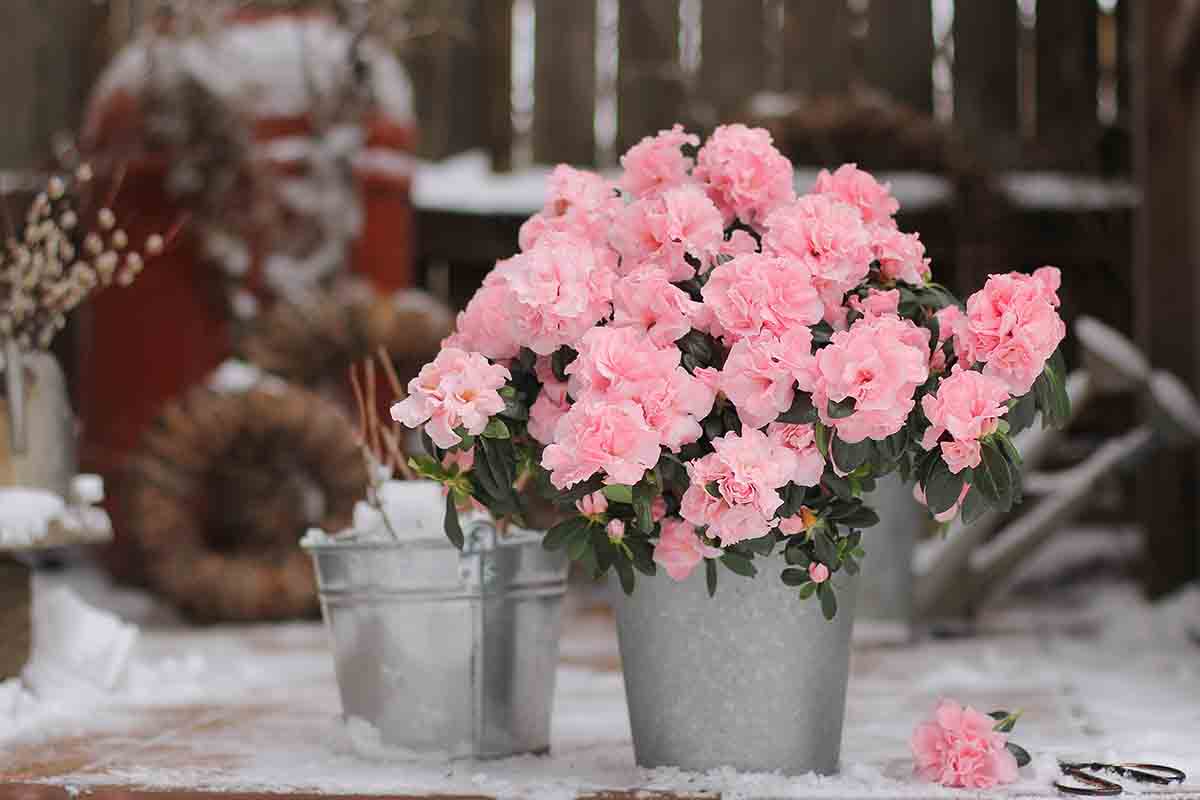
pixel 455 390
pixel 878 363
pixel 580 203
pixel 818 572
pixel 661 229
pixel 959 748
pixel 657 163
pixel 746 471
pixel 755 295
pixel 485 325
pixel 968 405
pixel 679 550
pixel 674 404
pixel 599 435
pixel 615 529
pixel 551 403
pixel 744 174
pixel 877 303
pixel 901 256
pixel 801 440
pixel 648 301
pixel 757 383
pixel 828 237
pixel 858 188
pixel 616 361
pixel 592 504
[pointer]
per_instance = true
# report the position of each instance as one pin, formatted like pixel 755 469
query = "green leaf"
pixel 795 553
pixel 514 409
pixel 828 599
pixel 710 576
pixel 579 543
pixel 807 590
pixel 1021 413
pixel 942 488
pixel 626 574
pixel 557 537
pixel 561 359
pixel 837 484
pixel 994 478
pixel 821 437
pixel 643 505
pixel 619 493
pixel 823 544
pixel 851 566
pixel 801 411
pixel 861 517
pixel 739 564
pixel 454 531
pixel 762 546
pixel 496 429
pixel 840 409
pixel 1019 753
pixel 793 576
pixel 974 506
pixel 850 456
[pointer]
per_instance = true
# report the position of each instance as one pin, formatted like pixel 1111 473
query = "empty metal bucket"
pixel 446 654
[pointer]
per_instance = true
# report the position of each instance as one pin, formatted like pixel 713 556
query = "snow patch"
pixel 26 515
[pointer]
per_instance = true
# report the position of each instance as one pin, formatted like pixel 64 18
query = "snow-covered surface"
pixel 26 515
pixel 465 184
pixel 1099 674
pixel 76 648
pixel 234 376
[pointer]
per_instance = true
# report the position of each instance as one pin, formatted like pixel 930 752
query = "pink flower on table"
pixel 828 237
pixel 558 290
pixel 755 295
pixel 818 572
pixel 601 436
pixel 456 390
pixel 679 550
pixel 901 256
pixel 743 173
pixel 592 505
pixel 1011 325
pixel 801 440
pixel 950 513
pixel 674 403
pixel 648 301
pixel 968 405
pixel 877 303
pixel 746 471
pixel 761 385
pixel 657 163
pixel 859 188
pixel 959 748
pixel 616 361
pixel 579 203
pixel 659 230
pixel 878 363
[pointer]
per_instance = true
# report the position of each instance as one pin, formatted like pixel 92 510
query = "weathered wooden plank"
pixel 495 40
pixel 1166 283
pixel 898 55
pixel 649 80
pixel 986 108
pixel 733 60
pixel 817 46
pixel 1067 74
pixel 564 91
pixel 15 607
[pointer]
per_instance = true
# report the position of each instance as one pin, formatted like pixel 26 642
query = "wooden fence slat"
pixel 564 93
pixel 899 51
pixel 495 60
pixel 649 85
pixel 986 40
pixel 1067 74
pixel 733 58
pixel 817 46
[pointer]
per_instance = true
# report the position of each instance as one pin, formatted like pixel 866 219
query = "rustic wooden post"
pixel 649 81
pixel 15 622
pixel 899 52
pixel 564 82
pixel 495 60
pixel 1067 73
pixel 817 46
pixel 733 60
pixel 1165 287
pixel 985 76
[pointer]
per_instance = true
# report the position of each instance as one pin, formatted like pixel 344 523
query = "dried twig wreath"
pixel 222 491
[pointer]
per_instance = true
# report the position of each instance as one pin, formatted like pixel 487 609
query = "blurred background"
pixel 323 158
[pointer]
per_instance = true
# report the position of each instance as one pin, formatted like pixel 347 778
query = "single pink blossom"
pixel 859 188
pixel 662 230
pixel 901 256
pixel 968 405
pixel 744 174
pixel 959 747
pixel 615 530
pixel 455 390
pixel 801 440
pixel 877 303
pixel 593 504
pixel 755 295
pixel 617 362
pixel 674 403
pixel 657 163
pixel 601 436
pixel 679 550
pixel 649 301
pixel 579 203
pixel 818 572
pixel 757 383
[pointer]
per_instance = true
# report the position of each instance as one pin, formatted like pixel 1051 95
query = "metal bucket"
pixel 447 655
pixel 887 571
pixel 37 426
pixel 752 678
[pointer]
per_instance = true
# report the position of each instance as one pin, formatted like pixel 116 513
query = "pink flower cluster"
pixel 1011 326
pixel 456 390
pixel 968 405
pixel 959 748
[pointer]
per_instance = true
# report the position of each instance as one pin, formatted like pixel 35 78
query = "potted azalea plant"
pixel 704 373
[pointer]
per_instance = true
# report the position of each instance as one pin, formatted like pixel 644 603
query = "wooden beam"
pixel 816 46
pixel 16 604
pixel 1166 284
pixel 495 60
pixel 899 51
pixel 1067 74
pixel 733 60
pixel 564 92
pixel 649 82
pixel 985 76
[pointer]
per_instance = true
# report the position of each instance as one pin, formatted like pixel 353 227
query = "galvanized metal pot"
pixel 753 678
pixel 887 571
pixel 37 426
pixel 447 655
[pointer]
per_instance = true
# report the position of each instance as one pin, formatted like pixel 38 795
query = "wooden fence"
pixel 1024 83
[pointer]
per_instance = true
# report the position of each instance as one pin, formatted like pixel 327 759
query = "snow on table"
pixel 256 709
